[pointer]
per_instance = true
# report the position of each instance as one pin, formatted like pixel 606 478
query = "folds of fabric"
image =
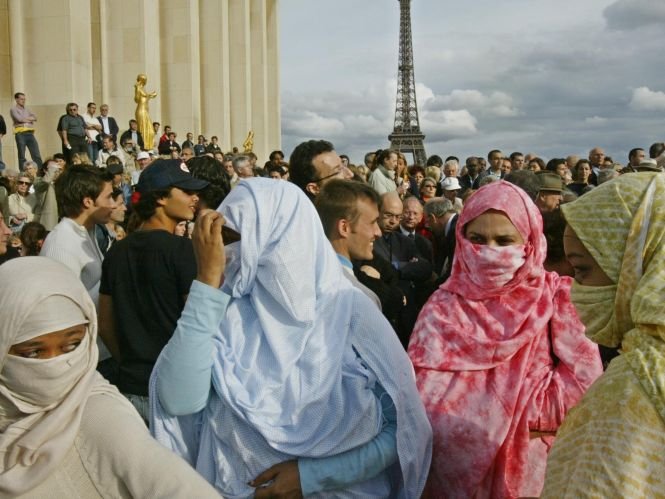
pixel 496 362
pixel 287 377
pixel 612 444
pixel 35 437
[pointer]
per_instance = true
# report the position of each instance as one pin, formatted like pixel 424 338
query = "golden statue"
pixel 142 115
pixel 248 145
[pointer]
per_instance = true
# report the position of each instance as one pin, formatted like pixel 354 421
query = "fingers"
pixel 209 247
pixel 266 476
pixel 208 225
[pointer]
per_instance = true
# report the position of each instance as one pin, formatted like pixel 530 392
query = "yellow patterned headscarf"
pixel 622 225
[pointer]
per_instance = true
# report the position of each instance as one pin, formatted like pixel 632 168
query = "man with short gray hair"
pixel 243 166
pixel 442 220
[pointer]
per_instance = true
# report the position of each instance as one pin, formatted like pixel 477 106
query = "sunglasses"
pixel 23 182
pixel 229 236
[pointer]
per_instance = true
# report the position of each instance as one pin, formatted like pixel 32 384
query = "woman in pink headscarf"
pixel 499 353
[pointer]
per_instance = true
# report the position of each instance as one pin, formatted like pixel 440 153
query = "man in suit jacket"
pixel 442 220
pixel 413 269
pixel 132 135
pixel 109 125
pixel 412 215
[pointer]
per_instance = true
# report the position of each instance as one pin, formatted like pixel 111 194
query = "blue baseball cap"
pixel 165 173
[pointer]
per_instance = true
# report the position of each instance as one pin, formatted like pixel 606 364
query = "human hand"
pixel 209 248
pixel 370 271
pixel 285 484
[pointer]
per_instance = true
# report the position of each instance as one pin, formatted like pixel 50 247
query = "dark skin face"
pixel 586 270
pixel 472 168
pixel 48 346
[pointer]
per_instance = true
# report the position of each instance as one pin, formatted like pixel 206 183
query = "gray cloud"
pixel 634 14
pixel 562 86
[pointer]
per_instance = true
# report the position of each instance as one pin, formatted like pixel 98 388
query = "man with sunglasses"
pixel 146 276
pixel 313 163
pixel 71 129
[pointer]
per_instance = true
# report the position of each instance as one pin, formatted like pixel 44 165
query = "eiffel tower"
pixel 406 136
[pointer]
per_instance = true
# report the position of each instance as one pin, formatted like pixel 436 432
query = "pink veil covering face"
pixel 485 362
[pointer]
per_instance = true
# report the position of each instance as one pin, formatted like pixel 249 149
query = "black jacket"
pixel 128 135
pixel 113 126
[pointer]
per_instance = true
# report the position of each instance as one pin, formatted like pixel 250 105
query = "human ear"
pixel 312 188
pixel 343 228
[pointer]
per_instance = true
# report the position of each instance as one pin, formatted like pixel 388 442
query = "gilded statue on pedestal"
pixel 248 145
pixel 142 116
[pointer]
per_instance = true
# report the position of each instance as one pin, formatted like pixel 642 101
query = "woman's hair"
pixel 113 160
pixel 416 169
pixel 405 172
pixel 577 168
pixel 427 180
pixel 359 173
pixel 81 158
pixel 32 237
pixel 382 155
pixel 538 161
pixel 553 163
pixel 435 160
pixel 433 172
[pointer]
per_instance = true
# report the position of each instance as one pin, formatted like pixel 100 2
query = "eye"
pixel 476 239
pixel 30 354
pixel 70 347
pixel 580 272
pixel 505 241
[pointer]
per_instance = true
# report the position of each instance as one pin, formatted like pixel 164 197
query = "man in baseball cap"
pixel 165 173
pixel 146 276
pixel 143 159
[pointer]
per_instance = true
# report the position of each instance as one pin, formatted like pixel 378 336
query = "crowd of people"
pixel 181 321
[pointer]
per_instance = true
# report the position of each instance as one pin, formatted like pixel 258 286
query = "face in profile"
pixel 585 268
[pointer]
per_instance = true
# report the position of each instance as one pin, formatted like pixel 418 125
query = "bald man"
pixel 414 270
pixel 412 215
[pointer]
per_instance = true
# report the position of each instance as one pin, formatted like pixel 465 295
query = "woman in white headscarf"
pixel 64 430
pixel 306 379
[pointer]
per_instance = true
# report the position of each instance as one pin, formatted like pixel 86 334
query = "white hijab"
pixel 42 401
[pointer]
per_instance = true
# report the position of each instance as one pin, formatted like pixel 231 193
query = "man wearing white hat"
pixel 451 187
pixel 143 159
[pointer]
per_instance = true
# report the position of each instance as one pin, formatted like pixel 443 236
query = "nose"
pixel 377 231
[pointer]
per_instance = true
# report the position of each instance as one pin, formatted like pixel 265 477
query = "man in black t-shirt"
pixel 146 276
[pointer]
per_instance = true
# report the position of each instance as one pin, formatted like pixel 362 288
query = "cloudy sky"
pixel 543 76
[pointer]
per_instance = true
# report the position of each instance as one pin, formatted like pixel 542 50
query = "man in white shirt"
pixel 85 198
pixel 92 130
pixel 109 148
